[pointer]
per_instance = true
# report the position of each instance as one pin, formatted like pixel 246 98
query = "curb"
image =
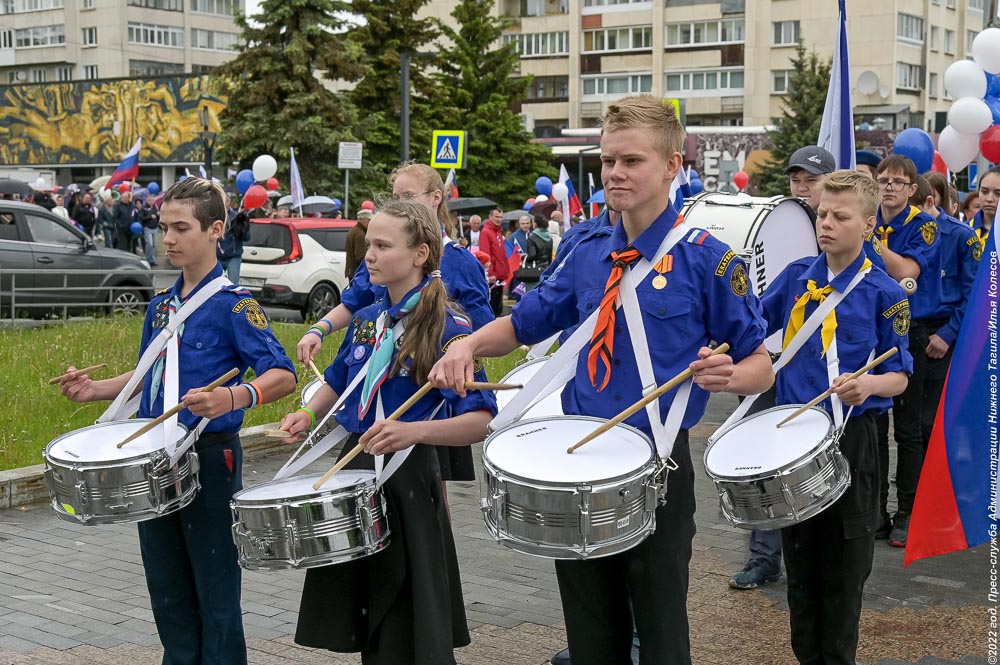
pixel 20 487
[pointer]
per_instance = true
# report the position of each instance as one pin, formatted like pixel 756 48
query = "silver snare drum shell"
pixel 536 506
pixel 770 478
pixel 310 390
pixel 287 525
pixel 91 481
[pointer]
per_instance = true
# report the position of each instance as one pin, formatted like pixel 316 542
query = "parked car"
pixel 32 238
pixel 296 263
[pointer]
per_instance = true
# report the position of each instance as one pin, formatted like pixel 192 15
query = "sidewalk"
pixel 73 595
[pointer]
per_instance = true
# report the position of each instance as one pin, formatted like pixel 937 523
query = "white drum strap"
pixel 123 406
pixel 383 474
pixel 798 341
pixel 541 349
pixel 561 367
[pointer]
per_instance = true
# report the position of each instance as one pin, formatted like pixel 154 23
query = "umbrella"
pixel 16 187
pixel 99 182
pixel 317 204
pixel 513 214
pixel 284 201
pixel 598 197
pixel 470 203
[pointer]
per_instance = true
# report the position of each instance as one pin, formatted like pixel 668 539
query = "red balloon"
pixel 272 184
pixel 255 197
pixel 124 187
pixel 989 143
pixel 741 179
pixel 368 205
pixel 939 164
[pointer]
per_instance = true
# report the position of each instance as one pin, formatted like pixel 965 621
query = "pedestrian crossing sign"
pixel 448 149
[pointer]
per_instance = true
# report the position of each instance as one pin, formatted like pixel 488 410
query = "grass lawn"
pixel 36 413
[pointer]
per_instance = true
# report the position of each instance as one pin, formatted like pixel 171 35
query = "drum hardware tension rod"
pixel 85 370
pixel 319 374
pixel 179 407
pixel 656 394
pixel 829 391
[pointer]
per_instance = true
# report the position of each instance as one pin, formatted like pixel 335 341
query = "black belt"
pixel 215 439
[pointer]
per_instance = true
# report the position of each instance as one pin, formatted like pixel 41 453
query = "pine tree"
pixel 477 77
pixel 801 115
pixel 276 101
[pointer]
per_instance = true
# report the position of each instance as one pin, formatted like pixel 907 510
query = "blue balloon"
pixel 154 188
pixel 993 102
pixel 244 181
pixel 337 204
pixel 544 185
pixel 694 175
pixel 182 178
pixel 136 229
pixel 527 205
pixel 918 146
pixel 992 84
pixel 697 186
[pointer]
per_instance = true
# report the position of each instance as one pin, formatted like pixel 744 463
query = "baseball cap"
pixel 483 257
pixel 364 212
pixel 812 158
pixel 867 157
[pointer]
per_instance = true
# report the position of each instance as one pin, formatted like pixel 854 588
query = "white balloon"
pixel 965 78
pixel 541 198
pixel 957 149
pixel 264 167
pixel 560 191
pixel 969 115
pixel 986 50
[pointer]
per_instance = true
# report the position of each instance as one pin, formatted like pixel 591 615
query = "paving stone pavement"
pixel 73 595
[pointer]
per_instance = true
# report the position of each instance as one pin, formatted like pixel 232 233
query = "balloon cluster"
pixel 254 195
pixel 974 117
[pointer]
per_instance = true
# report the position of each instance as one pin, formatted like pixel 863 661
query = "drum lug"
pixel 585 491
pixel 365 513
pixel 495 507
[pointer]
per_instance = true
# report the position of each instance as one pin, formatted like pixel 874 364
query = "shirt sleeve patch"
pixel 255 315
pixel 478 363
pixel 929 232
pixel 739 281
pixel 724 263
pixel 892 311
pixel 901 324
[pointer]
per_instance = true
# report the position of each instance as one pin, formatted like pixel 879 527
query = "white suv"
pixel 297 263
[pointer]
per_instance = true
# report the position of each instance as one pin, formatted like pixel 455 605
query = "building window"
pixel 950 4
pixel 949 42
pixel 38 75
pixel 970 36
pixel 908 77
pixel 932 85
pixel 935 38
pixel 221 7
pixel 976 5
pixel 548 87
pixel 612 3
pixel 89 37
pixel 202 69
pixel 214 40
pixel 7 39
pixel 618 39
pixel 150 68
pixel 18 6
pixel 47 36
pixel 705 83
pixel 726 31
pixel 167 5
pixel 88 4
pixel 539 44
pixel 89 72
pixel 155 35
pixel 910 28
pixel 543 7
pixel 786 33
pixel 64 73
pixel 617 85
pixel 780 80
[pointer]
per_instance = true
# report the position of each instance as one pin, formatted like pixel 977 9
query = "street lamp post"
pixel 207 139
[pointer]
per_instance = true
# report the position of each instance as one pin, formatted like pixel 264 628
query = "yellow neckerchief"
pixel 885 230
pixel 798 315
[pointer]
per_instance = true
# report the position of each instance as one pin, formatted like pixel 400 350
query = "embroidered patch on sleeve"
pixel 724 263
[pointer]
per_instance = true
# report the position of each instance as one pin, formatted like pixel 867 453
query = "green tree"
pixel 479 83
pixel 276 101
pixel 801 115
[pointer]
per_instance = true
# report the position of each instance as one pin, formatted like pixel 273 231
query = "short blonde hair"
pixel 650 113
pixel 862 185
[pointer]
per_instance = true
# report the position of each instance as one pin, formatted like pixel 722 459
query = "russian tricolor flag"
pixel 571 206
pixel 451 185
pixel 953 509
pixel 128 170
pixel 836 131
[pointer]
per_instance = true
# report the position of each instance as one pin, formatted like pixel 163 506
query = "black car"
pixel 52 249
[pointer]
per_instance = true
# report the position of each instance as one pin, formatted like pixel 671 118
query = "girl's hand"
pixel 308 347
pixel 296 424
pixel 209 404
pixel 387 436
pixel 77 387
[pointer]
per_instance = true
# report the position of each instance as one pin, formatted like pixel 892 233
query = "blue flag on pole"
pixel 836 133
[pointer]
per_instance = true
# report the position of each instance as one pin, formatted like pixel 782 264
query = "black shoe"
pixel 884 529
pixel 900 528
pixel 561 658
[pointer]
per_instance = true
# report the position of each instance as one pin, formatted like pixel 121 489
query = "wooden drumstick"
pixel 85 370
pixel 829 391
pixel 656 394
pixel 277 434
pixel 319 374
pixel 486 385
pixel 179 407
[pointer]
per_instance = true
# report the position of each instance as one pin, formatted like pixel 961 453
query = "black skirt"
pixel 403 604
pixel 456 463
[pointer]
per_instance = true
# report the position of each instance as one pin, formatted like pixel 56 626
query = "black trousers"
pixel 907 418
pixel 496 300
pixel 937 371
pixel 653 576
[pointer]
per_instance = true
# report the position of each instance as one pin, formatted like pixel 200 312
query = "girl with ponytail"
pixel 404 604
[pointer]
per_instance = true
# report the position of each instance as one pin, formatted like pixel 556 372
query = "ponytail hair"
pixel 432 182
pixel 421 344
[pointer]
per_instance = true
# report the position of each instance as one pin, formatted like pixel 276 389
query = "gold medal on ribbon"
pixel 659 282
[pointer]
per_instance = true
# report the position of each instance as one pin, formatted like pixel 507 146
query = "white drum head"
pixel 310 390
pixel 302 486
pixel 99 443
pixel 756 445
pixel 536 450
pixel 550 406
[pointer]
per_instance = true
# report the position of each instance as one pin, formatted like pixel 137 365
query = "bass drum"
pixel 768 233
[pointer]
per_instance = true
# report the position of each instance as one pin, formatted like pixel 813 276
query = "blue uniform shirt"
pixel 354 352
pixel 914 234
pixel 229 330
pixel 981 231
pixel 877 298
pixel 707 298
pixel 873 250
pixel 463 278
pixel 960 254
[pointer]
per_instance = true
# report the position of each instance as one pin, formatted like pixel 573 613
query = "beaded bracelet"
pixel 312 416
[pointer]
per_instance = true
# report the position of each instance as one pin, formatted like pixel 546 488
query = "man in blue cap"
pixel 867 161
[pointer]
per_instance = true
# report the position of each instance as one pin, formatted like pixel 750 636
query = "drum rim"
pixel 788 466
pixel 521 365
pixel 331 492
pixel 535 482
pixel 47 456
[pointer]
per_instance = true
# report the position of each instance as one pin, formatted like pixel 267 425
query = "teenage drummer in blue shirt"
pixel 989 195
pixel 189 556
pixel 828 557
pixel 404 604
pixel 698 293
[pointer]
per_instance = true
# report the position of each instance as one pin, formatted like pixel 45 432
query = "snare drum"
pixel 550 406
pixel 770 477
pixel 93 481
pixel 286 524
pixel 600 500
pixel 310 390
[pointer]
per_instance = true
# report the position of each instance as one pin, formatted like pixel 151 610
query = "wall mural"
pixel 76 122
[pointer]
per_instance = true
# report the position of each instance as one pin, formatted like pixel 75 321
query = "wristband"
pixel 312 416
pixel 232 399
pixel 316 331
pixel 255 397
pixel 327 323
